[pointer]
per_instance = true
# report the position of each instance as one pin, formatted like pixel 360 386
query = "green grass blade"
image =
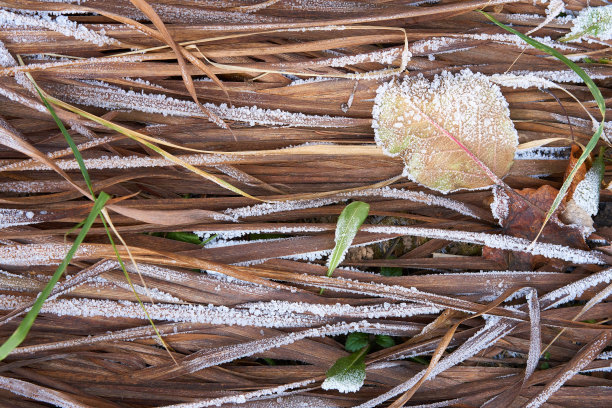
pixel 24 327
pixel 601 104
pixel 73 146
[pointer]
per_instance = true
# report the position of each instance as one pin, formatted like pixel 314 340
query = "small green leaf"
pixel 546 356
pixel 348 373
pixel 384 341
pixel 348 224
pixel 544 366
pixel 356 341
pixel 390 271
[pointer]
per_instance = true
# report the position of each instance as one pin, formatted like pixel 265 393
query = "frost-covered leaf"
pixel 414 119
pixel 356 341
pixel 593 22
pixel 347 374
pixel 384 341
pixel 348 224
pixel 586 194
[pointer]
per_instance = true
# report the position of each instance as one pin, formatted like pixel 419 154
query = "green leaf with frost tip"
pixel 409 118
pixel 592 21
pixel 348 373
pixel 348 224
pixel 356 341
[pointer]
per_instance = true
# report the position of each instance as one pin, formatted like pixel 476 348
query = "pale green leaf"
pixel 348 224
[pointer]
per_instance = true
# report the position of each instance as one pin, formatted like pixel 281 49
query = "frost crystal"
pixel 106 96
pixel 6 59
pixel 586 194
pixel 61 24
pixel 350 382
pixel 592 21
pixel 500 205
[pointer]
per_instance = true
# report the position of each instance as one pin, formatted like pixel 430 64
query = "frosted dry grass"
pixel 304 142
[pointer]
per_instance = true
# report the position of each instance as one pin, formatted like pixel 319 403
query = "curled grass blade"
pixel 24 327
pixel 601 104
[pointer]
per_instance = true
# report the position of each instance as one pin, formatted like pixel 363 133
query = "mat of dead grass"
pixel 293 84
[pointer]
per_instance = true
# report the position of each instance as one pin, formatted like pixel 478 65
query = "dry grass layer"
pixel 257 333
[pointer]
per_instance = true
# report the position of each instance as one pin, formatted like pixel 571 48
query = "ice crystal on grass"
pixel 258 210
pixel 594 22
pixel 543 153
pixel 197 313
pixel 130 162
pixel 242 398
pixel 507 242
pixel 500 206
pixel 60 24
pixel 6 59
pixel 511 39
pixel 417 119
pixel 111 97
pixel 416 196
pixel 570 292
pixel 37 254
pixel 522 81
pixel 10 217
pixel 556 76
pixel 385 57
pixel 555 7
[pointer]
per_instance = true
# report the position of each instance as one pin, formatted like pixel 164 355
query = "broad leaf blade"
pixel 424 122
pixel 348 224
pixel 347 374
